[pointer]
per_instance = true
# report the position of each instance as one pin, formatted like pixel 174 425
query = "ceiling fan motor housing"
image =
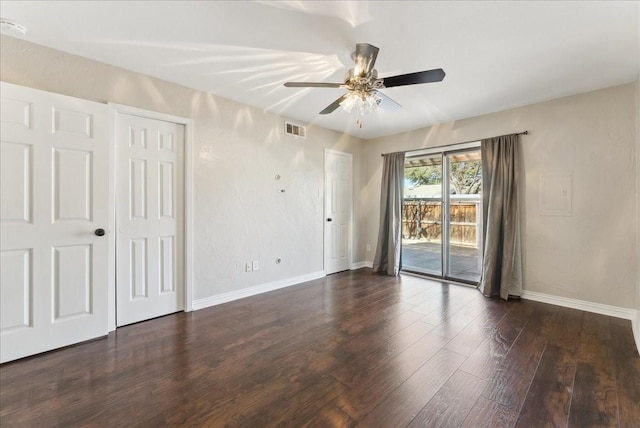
pixel 363 84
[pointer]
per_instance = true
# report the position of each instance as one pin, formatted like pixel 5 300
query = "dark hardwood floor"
pixel 350 349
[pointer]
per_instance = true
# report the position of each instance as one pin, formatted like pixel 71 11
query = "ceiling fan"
pixel 363 85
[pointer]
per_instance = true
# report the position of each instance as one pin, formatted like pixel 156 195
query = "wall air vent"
pixel 295 130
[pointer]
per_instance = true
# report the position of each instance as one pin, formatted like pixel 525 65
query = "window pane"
pixel 422 215
pixel 465 215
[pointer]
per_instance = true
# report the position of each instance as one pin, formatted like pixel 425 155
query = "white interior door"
pixel 149 218
pixel 338 206
pixel 54 162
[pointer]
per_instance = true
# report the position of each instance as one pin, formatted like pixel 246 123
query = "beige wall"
pixel 591 255
pixel 238 150
pixel 636 322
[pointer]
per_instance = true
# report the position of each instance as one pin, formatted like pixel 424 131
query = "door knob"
pixel 329 219
pixel 99 232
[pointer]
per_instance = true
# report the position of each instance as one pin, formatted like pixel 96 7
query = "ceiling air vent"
pixel 295 130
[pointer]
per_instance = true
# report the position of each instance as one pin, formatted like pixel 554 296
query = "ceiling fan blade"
pixel 435 75
pixel 334 105
pixel 387 103
pixel 365 58
pixel 312 85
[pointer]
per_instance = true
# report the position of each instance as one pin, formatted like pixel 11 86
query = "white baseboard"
pixel 598 308
pixel 583 305
pixel 252 291
pixel 360 265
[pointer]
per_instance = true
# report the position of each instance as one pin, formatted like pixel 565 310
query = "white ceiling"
pixel 497 55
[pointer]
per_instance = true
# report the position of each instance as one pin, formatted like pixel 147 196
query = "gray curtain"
pixel 388 250
pixel 502 262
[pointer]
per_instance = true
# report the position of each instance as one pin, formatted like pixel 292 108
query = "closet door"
pixel 54 163
pixel 150 213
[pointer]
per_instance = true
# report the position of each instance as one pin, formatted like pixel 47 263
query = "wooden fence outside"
pixel 422 219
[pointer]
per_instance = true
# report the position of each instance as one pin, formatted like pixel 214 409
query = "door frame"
pixel 116 109
pixel 324 208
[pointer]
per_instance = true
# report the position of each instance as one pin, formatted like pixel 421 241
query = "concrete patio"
pixel 425 257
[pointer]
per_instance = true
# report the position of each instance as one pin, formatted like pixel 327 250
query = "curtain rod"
pixel 464 142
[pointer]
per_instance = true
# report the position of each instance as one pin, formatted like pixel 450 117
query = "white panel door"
pixel 338 206
pixel 54 162
pixel 150 206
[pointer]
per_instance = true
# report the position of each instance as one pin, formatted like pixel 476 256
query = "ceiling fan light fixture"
pixel 361 102
pixel 363 85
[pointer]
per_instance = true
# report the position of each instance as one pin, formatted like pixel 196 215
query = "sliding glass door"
pixel 442 216
pixel 464 222
pixel 422 215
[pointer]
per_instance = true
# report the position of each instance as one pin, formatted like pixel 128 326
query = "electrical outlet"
pixel 256 265
pixel 368 247
pixel 248 267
